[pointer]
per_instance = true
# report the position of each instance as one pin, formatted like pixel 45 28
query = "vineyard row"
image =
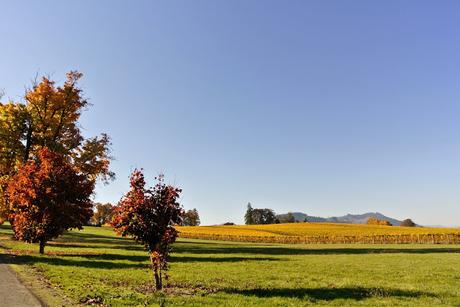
pixel 448 238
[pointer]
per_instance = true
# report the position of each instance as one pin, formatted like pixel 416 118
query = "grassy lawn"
pixel 95 266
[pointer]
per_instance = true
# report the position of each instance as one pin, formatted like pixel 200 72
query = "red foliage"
pixel 149 216
pixel 46 197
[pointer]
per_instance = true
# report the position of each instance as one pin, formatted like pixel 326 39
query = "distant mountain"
pixel 349 218
pixel 362 218
pixel 300 217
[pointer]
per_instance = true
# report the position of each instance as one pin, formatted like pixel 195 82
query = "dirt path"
pixel 12 292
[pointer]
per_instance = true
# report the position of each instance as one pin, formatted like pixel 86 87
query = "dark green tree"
pixel 264 216
pixel 408 223
pixel 286 218
pixel 248 219
pixel 191 218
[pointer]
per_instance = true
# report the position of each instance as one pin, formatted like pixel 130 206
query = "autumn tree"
pixel 149 215
pixel 375 221
pixel 48 117
pixel 102 214
pixel 46 197
pixel 191 218
pixel 12 130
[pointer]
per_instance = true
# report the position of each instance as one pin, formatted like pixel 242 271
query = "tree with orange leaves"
pixel 46 197
pixel 149 216
pixel 49 117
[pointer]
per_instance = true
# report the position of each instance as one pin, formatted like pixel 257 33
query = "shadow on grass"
pixel 90 264
pixel 124 246
pixel 113 261
pixel 328 294
pixel 221 259
pixel 107 257
pixel 74 236
pixel 144 258
pixel 4 258
pixel 7 227
pixel 106 248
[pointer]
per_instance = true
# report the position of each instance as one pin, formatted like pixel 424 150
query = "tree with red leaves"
pixel 149 216
pixel 47 197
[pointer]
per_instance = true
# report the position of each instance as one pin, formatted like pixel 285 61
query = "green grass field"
pixel 95 266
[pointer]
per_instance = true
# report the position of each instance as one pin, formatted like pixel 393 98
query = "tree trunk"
pixel 156 274
pixel 158 281
pixel 42 247
pixel 28 142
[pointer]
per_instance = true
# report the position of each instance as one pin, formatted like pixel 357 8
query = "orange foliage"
pixel 49 117
pixel 46 197
pixel 375 221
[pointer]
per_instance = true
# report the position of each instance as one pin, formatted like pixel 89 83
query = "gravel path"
pixel 12 292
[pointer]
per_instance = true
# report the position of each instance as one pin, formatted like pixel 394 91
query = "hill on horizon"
pixel 349 218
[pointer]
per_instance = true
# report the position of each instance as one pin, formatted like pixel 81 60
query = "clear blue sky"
pixel 324 107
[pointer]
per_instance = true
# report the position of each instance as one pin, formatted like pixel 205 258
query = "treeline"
pixel 260 216
pixel 103 214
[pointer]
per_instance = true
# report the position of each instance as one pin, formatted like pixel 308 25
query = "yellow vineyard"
pixel 323 233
